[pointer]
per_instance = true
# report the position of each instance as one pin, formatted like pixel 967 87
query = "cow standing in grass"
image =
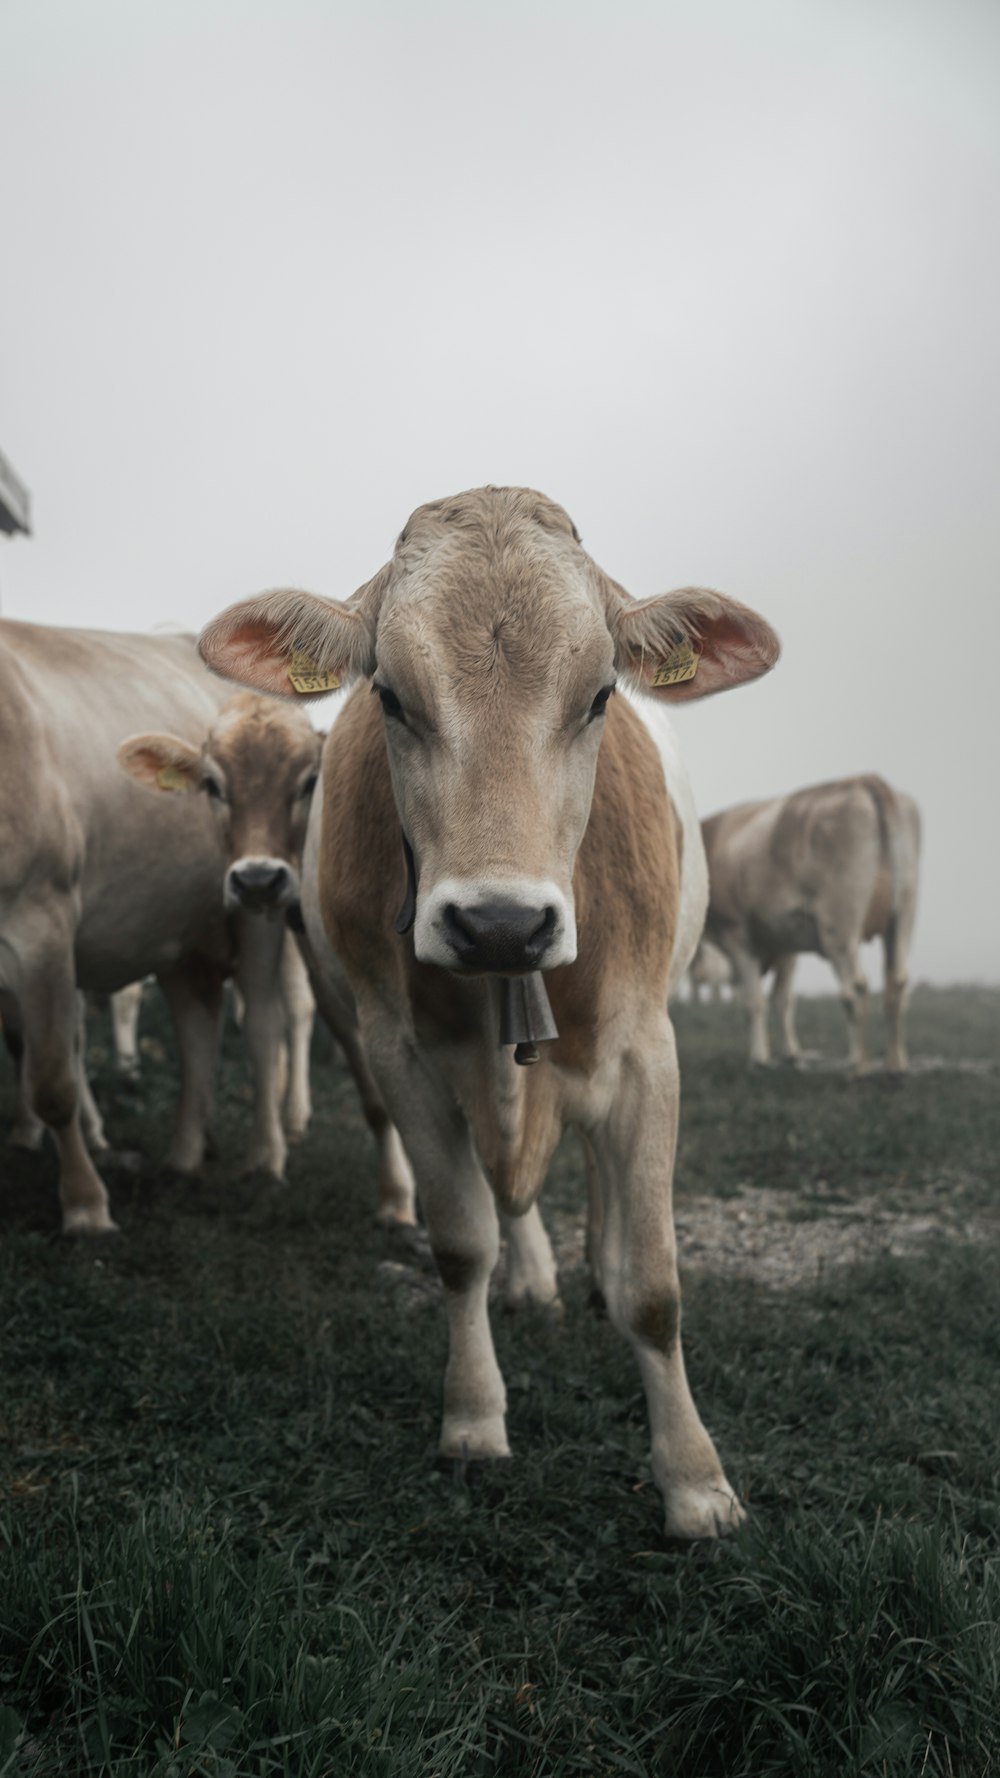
pixel 256 769
pixel 539 835
pixel 820 870
pixel 98 885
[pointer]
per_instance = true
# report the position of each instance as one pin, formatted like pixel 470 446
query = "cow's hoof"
pixel 93 1224
pixel 795 1061
pixel 395 1216
pixel 551 1306
pixel 695 1514
pixel 473 1441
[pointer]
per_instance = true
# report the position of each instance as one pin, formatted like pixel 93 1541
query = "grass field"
pixel 226 1549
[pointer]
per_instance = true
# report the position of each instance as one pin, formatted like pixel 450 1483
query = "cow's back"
pixel 141 870
pixel 791 873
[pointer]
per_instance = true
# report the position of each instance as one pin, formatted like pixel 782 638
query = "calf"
pixel 495 823
pixel 257 768
pixel 819 870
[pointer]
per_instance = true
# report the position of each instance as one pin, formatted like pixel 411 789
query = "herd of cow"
pixel 489 877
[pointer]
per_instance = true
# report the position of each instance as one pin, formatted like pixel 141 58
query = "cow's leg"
pixel 752 987
pixel 91 1121
pixel 125 1027
pixel 397 1197
pixel 462 1222
pixel 258 977
pixel 300 1013
pixel 27 1130
pixel 783 1001
pixel 634 1154
pixel 853 997
pixel 50 1024
pixel 193 993
pixel 896 942
pixel 531 1265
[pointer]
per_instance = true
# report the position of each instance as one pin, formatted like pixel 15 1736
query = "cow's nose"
pixel 499 935
pixel 259 885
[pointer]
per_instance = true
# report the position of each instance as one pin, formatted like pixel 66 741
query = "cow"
pixel 255 770
pixel 99 885
pixel 498 866
pixel 820 870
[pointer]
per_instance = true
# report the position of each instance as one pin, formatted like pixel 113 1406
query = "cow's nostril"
pixel 258 882
pixel 499 935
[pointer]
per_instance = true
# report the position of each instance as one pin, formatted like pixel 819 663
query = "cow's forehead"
pixel 493 581
pixel 250 725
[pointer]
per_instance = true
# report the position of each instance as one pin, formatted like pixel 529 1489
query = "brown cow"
pixel 540 837
pixel 820 870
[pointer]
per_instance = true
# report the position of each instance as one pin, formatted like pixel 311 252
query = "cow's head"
pixel 258 767
pixel 494 643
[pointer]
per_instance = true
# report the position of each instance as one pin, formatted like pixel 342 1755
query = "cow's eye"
pixel 600 703
pixel 212 788
pixel 310 784
pixel 390 703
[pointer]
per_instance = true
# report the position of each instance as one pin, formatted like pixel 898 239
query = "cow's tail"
pixel 899 840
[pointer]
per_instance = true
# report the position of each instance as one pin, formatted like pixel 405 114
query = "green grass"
pixel 225 1549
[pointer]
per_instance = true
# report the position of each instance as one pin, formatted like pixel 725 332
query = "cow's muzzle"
pixel 499 936
pixel 260 885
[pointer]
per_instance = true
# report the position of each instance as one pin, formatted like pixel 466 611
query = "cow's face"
pixel 257 768
pixel 493 643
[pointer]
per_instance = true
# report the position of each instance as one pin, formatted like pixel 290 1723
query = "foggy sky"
pixel 722 279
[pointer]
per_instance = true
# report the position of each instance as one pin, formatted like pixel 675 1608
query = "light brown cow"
pixel 820 870
pixel 542 837
pixel 98 885
pixel 257 768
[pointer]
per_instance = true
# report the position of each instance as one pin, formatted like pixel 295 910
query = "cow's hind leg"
pixel 783 1001
pixel 531 1266
pixel 751 985
pixel 634 1154
pixel 193 993
pixel 50 1024
pixel 91 1121
pixel 125 1006
pixel 397 1197
pixel 896 942
pixel 846 965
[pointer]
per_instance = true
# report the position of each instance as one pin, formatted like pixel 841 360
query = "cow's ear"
pixel 688 644
pixel 295 645
pixel 161 762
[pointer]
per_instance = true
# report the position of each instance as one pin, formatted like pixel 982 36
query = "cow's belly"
pixel 141 913
pixel 783 933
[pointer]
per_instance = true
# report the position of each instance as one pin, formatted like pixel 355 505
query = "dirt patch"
pixel 773 1238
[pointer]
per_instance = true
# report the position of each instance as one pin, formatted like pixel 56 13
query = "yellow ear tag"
pixel 172 778
pixel 680 665
pixel 304 675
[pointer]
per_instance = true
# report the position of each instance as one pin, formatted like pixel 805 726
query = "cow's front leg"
pixel 193 993
pixel 634 1156
pixel 300 1012
pixel 464 1232
pixel 258 977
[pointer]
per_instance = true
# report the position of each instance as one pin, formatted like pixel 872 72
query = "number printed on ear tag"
pixel 304 675
pixel 680 664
